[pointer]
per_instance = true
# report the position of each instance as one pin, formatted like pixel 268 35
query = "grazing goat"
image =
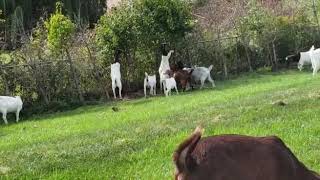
pixel 10 104
pixel 164 67
pixel 150 82
pixel 236 157
pixel 303 58
pixel 183 77
pixel 201 74
pixel 116 79
pixel 168 85
pixel 315 60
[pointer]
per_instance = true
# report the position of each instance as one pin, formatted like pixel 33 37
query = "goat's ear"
pixel 146 74
pixel 198 130
pixel 312 47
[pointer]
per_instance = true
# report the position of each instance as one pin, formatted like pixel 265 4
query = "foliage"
pixel 163 21
pixel 117 30
pixel 137 30
pixel 1 20
pixel 60 30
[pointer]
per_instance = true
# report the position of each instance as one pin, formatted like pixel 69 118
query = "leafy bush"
pixel 60 30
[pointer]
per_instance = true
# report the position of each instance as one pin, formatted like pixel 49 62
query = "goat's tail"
pixel 210 67
pixel 182 155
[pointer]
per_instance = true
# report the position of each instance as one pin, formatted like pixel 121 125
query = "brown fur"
pixel 236 157
pixel 183 78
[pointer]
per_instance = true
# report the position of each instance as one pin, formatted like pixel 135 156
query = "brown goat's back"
pixel 236 157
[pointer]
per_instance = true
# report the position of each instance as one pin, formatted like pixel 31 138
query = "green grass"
pixel 137 142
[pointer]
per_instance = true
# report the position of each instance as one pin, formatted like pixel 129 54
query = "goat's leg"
pixel 114 89
pixel 114 92
pixel 315 70
pixel 212 81
pixel 17 115
pixel 166 92
pixel 151 90
pixel 155 90
pixel 176 89
pixel 202 83
pixel 4 117
pixel 120 91
pixel 145 91
pixel 161 84
pixel 164 86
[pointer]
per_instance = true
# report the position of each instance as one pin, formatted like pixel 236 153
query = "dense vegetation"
pixel 137 142
pixel 56 57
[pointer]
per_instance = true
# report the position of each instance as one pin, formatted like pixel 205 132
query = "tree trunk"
pixel 274 56
pixel 75 77
pixel 248 58
pixel 224 62
pixel 4 79
pixel 237 58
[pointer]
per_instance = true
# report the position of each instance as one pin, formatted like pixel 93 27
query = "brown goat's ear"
pixel 198 130
pixel 182 155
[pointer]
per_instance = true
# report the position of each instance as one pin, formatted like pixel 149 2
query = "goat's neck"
pixel 164 63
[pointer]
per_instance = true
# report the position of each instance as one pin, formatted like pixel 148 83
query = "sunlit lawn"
pixel 137 141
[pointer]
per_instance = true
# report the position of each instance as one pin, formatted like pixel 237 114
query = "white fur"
pixel 164 67
pixel 150 82
pixel 305 58
pixel 169 84
pixel 201 74
pixel 315 60
pixel 116 79
pixel 10 104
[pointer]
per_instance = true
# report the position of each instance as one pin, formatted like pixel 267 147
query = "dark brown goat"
pixel 183 78
pixel 236 157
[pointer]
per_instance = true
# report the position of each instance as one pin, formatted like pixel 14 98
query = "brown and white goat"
pixel 236 157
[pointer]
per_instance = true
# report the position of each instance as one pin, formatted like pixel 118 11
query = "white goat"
pixel 201 74
pixel 169 83
pixel 303 58
pixel 150 82
pixel 116 79
pixel 164 67
pixel 10 104
pixel 315 60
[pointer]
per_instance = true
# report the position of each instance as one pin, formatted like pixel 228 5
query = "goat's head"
pixel 169 73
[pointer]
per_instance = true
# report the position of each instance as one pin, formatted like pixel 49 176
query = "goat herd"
pixel 222 157
pixel 170 76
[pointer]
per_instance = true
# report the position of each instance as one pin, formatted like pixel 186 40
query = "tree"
pixel 143 24
pixel 163 21
pixel 60 33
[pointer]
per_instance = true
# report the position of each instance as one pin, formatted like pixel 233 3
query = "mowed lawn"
pixel 137 141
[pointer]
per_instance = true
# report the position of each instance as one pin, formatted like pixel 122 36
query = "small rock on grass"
pixel 115 109
pixel 280 103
